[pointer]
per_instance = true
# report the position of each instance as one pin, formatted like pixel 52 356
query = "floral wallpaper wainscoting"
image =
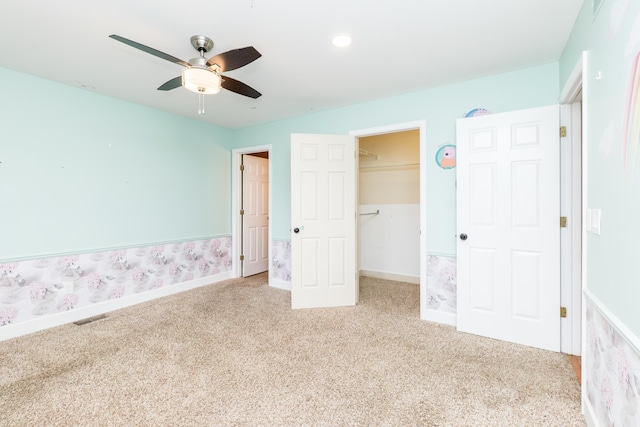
pixel 612 372
pixel 281 260
pixel 441 276
pixel 441 283
pixel 39 287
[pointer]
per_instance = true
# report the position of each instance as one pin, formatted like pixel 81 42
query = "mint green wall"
pixel 612 42
pixel 440 107
pixel 80 171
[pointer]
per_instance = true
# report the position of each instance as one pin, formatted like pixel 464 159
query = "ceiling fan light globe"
pixel 201 80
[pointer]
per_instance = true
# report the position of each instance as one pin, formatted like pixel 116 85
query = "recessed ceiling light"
pixel 341 40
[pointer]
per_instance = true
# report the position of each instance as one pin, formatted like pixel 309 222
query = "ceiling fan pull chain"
pixel 201 103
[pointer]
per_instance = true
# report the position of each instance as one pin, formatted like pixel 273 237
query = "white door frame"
pixel 421 125
pixel 236 202
pixel 573 255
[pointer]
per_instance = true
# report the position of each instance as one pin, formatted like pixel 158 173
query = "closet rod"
pixel 371 213
pixel 367 154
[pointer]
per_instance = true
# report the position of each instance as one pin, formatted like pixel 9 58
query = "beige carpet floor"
pixel 235 354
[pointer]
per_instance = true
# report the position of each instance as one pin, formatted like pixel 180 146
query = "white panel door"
pixel 508 221
pixel 255 221
pixel 323 215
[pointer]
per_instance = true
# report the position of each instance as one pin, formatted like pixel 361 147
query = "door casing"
pixel 421 125
pixel 573 258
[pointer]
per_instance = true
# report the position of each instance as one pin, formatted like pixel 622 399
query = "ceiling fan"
pixel 203 76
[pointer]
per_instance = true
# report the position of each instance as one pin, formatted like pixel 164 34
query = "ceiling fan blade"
pixel 172 84
pixel 235 58
pixel 238 87
pixel 150 50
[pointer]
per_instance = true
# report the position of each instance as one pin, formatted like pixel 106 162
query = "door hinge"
pixel 563 221
pixel 563 311
pixel 563 131
pixel 241 167
pixel 241 257
pixel 241 211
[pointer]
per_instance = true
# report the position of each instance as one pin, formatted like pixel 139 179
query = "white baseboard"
pixel 280 284
pixel 439 317
pixel 57 319
pixel 390 276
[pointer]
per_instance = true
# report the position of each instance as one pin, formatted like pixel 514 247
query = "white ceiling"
pixel 399 46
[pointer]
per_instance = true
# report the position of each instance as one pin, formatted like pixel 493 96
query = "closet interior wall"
pixel 389 206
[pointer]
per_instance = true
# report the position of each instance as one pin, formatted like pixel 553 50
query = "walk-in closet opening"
pixel 389 206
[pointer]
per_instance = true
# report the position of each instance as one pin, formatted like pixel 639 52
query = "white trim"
pixel 391 276
pixel 442 254
pixel 566 233
pixel 586 93
pixel 57 319
pixel 571 236
pixel 573 86
pixel 578 181
pixel 396 127
pixel 236 202
pixel 280 284
pixel 111 248
pixel 421 125
pixel 439 317
pixel 573 202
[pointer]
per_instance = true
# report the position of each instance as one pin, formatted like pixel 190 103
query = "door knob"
pixel 463 236
pixel 296 230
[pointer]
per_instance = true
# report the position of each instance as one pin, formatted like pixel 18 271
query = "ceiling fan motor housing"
pixel 202 44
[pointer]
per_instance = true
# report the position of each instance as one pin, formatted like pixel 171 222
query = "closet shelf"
pixel 391 167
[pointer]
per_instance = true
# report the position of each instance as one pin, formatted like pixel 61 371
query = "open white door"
pixel 255 216
pixel 508 220
pixel 323 216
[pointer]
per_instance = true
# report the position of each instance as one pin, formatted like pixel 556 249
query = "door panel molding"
pixel 508 220
pixel 323 221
